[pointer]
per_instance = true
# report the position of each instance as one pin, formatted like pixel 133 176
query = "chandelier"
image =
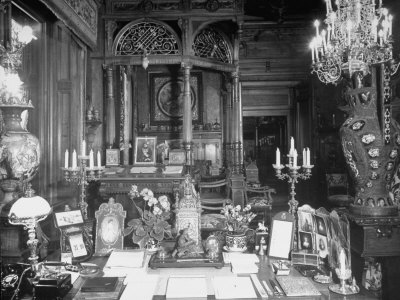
pixel 11 61
pixel 357 35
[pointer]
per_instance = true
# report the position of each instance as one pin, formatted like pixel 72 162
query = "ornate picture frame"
pixel 166 93
pixel 110 220
pixel 145 150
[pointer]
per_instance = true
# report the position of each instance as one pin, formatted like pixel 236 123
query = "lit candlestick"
pixel 312 51
pixel 66 159
pixel 91 159
pixel 316 24
pixel 390 24
pixel 278 157
pixel 83 152
pixel 308 160
pixel 74 165
pixel 98 159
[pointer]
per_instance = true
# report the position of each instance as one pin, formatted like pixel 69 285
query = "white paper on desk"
pixel 233 287
pixel 184 287
pixel 140 287
pixel 126 259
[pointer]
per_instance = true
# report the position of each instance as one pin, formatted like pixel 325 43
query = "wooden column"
pixel 110 107
pixel 187 114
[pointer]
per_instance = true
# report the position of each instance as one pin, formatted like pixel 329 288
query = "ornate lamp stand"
pixel 293 176
pixel 82 175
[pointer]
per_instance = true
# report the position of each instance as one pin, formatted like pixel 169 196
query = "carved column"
pixel 110 106
pixel 187 114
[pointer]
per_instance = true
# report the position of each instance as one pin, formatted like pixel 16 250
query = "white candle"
pixel 342 262
pixel 98 159
pixel 316 24
pixel 83 148
pixel 308 160
pixel 294 158
pixel 291 146
pixel 312 51
pixel 66 159
pixel 91 159
pixel 278 157
pixel 74 165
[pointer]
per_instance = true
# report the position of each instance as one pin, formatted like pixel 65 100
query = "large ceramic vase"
pixel 371 154
pixel 20 150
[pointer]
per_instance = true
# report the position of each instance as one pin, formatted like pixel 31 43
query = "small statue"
pixel 186 246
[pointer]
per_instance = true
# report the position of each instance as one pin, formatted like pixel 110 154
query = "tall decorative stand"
pixel 293 176
pixel 82 175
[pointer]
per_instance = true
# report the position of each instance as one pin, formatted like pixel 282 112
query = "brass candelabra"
pixel 82 175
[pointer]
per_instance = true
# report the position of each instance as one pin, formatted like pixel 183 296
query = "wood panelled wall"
pixel 59 102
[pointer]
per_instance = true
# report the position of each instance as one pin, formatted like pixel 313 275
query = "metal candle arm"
pixel 81 175
pixel 292 176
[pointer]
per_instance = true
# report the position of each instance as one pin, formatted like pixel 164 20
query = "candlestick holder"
pixel 293 175
pixel 343 287
pixel 81 176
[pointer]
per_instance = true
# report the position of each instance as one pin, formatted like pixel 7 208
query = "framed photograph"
pixel 110 220
pixel 145 150
pixel 281 237
pixel 166 103
pixel 112 157
pixel 177 157
pixel 68 218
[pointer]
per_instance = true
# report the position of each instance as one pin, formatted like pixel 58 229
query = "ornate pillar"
pixel 227 123
pixel 187 114
pixel 109 106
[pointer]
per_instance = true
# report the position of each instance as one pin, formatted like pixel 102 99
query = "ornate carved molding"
pixel 79 15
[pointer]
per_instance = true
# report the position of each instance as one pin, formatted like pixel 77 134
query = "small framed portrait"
pixel 110 220
pixel 112 157
pixel 306 242
pixel 145 150
pixel 68 218
pixel 305 221
pixel 322 245
pixel 177 157
pixel 321 225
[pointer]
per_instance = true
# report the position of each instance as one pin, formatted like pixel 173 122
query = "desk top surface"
pixel 265 273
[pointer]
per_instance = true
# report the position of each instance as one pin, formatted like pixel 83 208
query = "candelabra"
pixel 82 175
pixel 293 176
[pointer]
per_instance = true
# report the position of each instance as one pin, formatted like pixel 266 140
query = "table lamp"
pixel 28 211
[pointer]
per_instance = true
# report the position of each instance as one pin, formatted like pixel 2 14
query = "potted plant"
pixel 152 226
pixel 237 224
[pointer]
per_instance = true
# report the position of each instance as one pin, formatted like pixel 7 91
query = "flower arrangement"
pixel 237 220
pixel 152 226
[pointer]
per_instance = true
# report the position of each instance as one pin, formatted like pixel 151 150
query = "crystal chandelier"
pixel 357 35
pixel 11 60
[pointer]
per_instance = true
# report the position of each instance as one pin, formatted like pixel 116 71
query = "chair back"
pixel 214 195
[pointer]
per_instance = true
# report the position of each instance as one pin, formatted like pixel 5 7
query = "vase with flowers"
pixel 237 225
pixel 152 225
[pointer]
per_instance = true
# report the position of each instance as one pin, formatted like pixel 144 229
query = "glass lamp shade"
pixel 29 209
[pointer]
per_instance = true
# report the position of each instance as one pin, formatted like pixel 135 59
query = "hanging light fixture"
pixel 357 35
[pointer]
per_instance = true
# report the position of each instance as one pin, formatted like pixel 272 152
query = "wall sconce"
pixel 28 211
pixel 145 59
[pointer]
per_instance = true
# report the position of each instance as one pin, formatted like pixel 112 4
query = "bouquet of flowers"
pixel 152 226
pixel 237 220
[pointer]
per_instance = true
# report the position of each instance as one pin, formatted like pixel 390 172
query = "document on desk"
pixel 227 287
pixel 186 287
pixel 126 259
pixel 140 287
